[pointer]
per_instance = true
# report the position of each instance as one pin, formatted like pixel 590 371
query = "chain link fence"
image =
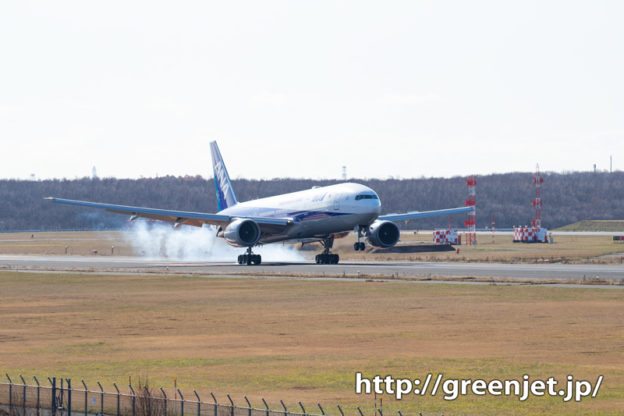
pixel 61 397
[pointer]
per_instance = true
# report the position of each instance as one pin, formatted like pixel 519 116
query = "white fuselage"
pixel 316 212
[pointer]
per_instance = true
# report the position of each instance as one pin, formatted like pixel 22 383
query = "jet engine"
pixel 383 234
pixel 242 233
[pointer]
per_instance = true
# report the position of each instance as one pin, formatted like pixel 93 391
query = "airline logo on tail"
pixel 225 192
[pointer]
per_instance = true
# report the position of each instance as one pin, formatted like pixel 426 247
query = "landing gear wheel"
pixel 326 258
pixel 249 258
pixel 359 246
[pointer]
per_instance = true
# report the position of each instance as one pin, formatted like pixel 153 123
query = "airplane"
pixel 320 214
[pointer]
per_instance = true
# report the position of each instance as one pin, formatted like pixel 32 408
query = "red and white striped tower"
pixel 537 202
pixel 470 223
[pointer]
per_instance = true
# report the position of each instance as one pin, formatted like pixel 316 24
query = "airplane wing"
pixel 177 217
pixel 424 214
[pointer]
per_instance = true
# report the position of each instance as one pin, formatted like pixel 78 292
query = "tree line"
pixel 567 198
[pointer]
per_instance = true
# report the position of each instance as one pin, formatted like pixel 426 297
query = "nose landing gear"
pixel 359 246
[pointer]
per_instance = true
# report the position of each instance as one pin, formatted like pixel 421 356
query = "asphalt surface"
pixel 578 273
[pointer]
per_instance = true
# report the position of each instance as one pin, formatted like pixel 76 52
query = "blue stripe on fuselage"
pixel 297 216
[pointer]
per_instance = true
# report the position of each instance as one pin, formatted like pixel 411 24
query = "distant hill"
pixel 567 198
pixel 594 225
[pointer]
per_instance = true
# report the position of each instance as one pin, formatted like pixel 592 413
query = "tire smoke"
pixel 187 243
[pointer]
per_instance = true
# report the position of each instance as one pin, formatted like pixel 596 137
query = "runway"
pixel 527 273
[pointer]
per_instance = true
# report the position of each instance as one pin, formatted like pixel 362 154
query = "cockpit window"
pixel 365 196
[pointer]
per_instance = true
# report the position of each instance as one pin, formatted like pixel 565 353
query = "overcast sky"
pixel 299 89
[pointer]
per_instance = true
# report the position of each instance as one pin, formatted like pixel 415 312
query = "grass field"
pixel 567 248
pixel 595 225
pixel 66 242
pixel 304 340
pixel 502 249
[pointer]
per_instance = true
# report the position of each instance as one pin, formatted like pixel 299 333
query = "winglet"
pixel 225 192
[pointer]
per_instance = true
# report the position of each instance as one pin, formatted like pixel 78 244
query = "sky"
pixel 300 89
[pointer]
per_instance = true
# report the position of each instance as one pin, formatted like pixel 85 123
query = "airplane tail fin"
pixel 225 191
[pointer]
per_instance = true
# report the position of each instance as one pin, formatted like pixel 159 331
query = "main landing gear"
pixel 326 257
pixel 359 246
pixel 249 258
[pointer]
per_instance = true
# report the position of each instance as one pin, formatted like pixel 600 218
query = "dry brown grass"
pixel 567 249
pixel 303 340
pixel 65 242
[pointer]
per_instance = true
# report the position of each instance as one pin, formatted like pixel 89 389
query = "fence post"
pixel 340 410
pixel 181 403
pixel 248 404
pixel 231 404
pixel 86 399
pixel 101 399
pixel 198 403
pixel 69 392
pixel 266 405
pixel 38 396
pixel 165 398
pixel 285 409
pixel 10 393
pixel 216 405
pixel 321 407
pixel 133 399
pixel 53 383
pixel 116 388
pixel 149 401
pixel 302 408
pixel 24 395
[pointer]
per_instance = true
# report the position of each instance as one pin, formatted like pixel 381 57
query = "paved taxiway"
pixel 451 271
